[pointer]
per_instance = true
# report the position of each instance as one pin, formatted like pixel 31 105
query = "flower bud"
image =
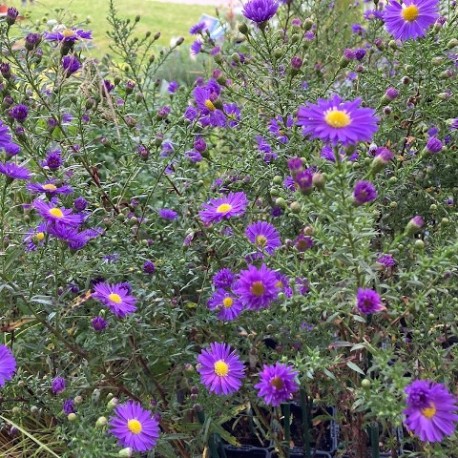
pixel 71 416
pixel 101 422
pixel 243 29
pixel 11 15
pixel 126 452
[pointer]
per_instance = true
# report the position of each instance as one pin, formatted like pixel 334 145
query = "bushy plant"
pixel 194 257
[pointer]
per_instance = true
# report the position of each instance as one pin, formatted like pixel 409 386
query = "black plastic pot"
pixel 310 424
pixel 246 451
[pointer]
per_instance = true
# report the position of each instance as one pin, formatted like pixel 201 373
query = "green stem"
pixel 306 424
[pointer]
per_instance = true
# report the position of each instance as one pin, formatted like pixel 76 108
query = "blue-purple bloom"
pixel 68 35
pixel 70 65
pixel 134 427
pixel 338 122
pixel 220 369
pixel 264 236
pixel 58 385
pixel 431 411
pixel 53 160
pixel 257 288
pixel 35 237
pixel 49 188
pixel 369 301
pixel 116 297
pixel 19 112
pixel 7 365
pixel 364 192
pixel 216 210
pixel 68 406
pixel 14 172
pixel 99 323
pixel 411 19
pixel 224 278
pixel 277 383
pixel 205 98
pixel 434 145
pixel 260 11
pixel 227 304
pixel 167 214
pixel 53 214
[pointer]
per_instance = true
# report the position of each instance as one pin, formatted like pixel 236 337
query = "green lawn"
pixel 172 20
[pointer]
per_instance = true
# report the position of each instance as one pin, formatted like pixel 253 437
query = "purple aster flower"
pixel 35 237
pixel 411 19
pixel 11 149
pixel 232 112
pixel 58 385
pixel 19 112
pixel 364 192
pixel 99 323
pixel 200 144
pixel 454 123
pixel 214 211
pixel 224 278
pixel 386 260
pixel 277 383
pixel 434 145
pixel 391 93
pixel 68 35
pixel 7 365
pixel 68 406
pixel 190 114
pixel 193 156
pixel 49 188
pixel 76 240
pixel 32 40
pixel 168 214
pixel 53 160
pixel 172 87
pixel 221 370
pixel 134 427
pixel 116 297
pixel 53 214
pixel 336 121
pixel 205 98
pixel 198 28
pixel 14 172
pixel 303 242
pixel 358 29
pixel 360 53
pixel 282 284
pixel 348 54
pixel 296 63
pixel 227 304
pixel 431 410
pixel 264 236
pixel 80 204
pixel 11 15
pixel 368 301
pixel 70 64
pixel 266 149
pixel 149 267
pixel 257 287
pixel 304 180
pixel 196 47
pixel 260 11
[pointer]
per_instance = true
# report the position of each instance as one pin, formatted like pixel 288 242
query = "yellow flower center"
pixel 134 426
pixel 209 104
pixel 224 208
pixel 277 383
pixel 257 288
pixel 430 411
pixel 279 284
pixel 337 118
pixel 221 368
pixel 410 13
pixel 39 236
pixel 261 240
pixel 68 33
pixel 227 302
pixel 56 212
pixel 49 187
pixel 116 298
